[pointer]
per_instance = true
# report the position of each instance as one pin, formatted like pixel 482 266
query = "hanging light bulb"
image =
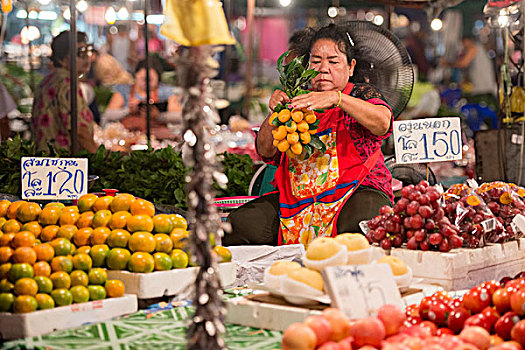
pixel 285 3
pixel 123 14
pixel 110 16
pixel 436 24
pixel 44 2
pixel 82 6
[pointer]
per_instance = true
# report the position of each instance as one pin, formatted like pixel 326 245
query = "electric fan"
pixel 409 174
pixel 383 61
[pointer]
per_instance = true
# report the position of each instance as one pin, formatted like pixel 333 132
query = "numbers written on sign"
pixel 427 140
pixel 54 178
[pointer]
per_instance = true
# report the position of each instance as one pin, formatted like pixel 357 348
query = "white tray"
pixel 14 326
pixel 167 283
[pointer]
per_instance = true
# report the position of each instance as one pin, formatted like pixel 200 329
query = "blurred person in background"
pixel 7 105
pixel 51 104
pixel 128 103
pixel 122 47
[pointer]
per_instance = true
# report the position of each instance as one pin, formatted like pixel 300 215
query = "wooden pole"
pixel 73 81
pixel 249 60
pixel 148 61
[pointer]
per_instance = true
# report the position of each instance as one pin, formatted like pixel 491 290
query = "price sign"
pixel 54 178
pixel 360 290
pixel 427 140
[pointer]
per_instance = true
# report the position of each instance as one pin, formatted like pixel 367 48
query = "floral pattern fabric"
pixel 51 112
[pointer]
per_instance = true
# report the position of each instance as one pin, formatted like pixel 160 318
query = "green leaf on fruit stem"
pixel 319 110
pixel 314 125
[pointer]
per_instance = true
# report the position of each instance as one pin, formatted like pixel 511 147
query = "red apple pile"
pixel 476 223
pixel 417 219
pixel 504 202
pixel 497 308
pixel 388 330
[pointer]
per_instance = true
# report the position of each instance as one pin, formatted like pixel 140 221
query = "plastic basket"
pixel 232 202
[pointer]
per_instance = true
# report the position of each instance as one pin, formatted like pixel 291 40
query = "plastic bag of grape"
pixel 504 202
pixel 476 223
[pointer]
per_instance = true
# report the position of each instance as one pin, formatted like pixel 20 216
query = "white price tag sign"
pixel 360 290
pixel 54 178
pixel 427 140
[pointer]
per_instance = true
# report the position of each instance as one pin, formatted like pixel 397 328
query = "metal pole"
pixel 146 46
pixel 29 48
pixel 249 60
pixel 73 74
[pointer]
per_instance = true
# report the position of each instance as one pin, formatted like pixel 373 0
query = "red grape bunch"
pixel 417 219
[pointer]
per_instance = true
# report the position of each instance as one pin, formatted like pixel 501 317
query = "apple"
pixel 321 327
pixel 346 343
pixel 501 300
pixel 339 322
pixel 476 299
pixel 438 312
pixel 491 286
pixel 368 331
pixel 298 336
pixel 518 332
pixel 505 323
pixel 517 302
pixel 478 320
pixel 444 331
pixel 392 317
pixel 430 327
pixel 331 345
pixel 476 336
pixel 456 319
pixel 424 305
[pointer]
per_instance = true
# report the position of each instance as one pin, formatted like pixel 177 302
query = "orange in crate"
pixel 114 288
pixel 85 202
pixel 6 238
pixel 119 220
pixel 11 226
pixel 100 235
pixel 85 219
pixel 42 268
pixel 24 255
pixel 50 215
pixel 102 203
pixel 142 242
pixel 13 208
pixel 67 232
pixel 49 233
pixel 142 207
pixel 4 205
pixel 23 239
pixel 27 212
pixel 69 218
pixel 83 236
pixel 32 226
pixel 122 202
pixel 140 222
pixel 44 252
pixel 5 254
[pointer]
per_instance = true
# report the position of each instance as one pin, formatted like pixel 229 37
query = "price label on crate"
pixel 427 140
pixel 360 290
pixel 54 178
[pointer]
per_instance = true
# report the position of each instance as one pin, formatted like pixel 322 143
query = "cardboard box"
pixel 465 268
pixel 14 326
pixel 167 283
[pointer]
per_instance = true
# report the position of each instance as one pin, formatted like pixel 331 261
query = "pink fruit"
pixel 346 343
pixel 518 332
pixel 476 336
pixel 509 345
pixel 368 331
pixel 339 322
pixel 331 345
pixel 392 317
pixel 321 327
pixel 298 336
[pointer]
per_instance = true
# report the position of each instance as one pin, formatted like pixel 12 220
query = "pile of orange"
pixel 293 130
pixel 39 267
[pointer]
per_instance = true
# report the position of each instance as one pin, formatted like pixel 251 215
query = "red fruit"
pixel 414 196
pixel 435 238
pixel 412 243
pixel 339 322
pixel 379 234
pixel 424 306
pixel 429 326
pixel 455 241
pixel 417 221
pixel 420 235
pixel 456 319
pixel 518 332
pixel 505 323
pixel 444 331
pixel 401 205
pixel 491 286
pixel 438 312
pixel 517 302
pixel 392 317
pixel 298 336
pixel 368 331
pixel 509 345
pixel 476 299
pixel 433 194
pixel 476 336
pixel 321 327
pixel 331 345
pixel 478 320
pixel 405 191
pixel 346 343
pixel 424 199
pixel 501 300
pixel 385 210
pixel 386 244
pixel 412 208
pixel 430 225
pixel 424 245
pixel 426 211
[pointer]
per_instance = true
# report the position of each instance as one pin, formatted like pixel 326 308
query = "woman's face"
pixel 83 59
pixel 140 79
pixel 332 65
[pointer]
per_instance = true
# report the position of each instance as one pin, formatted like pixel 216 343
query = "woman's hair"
pixel 338 35
pixel 60 46
pixel 154 64
pixel 299 42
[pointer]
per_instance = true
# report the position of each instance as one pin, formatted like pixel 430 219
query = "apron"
pixel 312 191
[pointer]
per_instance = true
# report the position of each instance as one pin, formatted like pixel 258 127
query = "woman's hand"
pixel 316 100
pixel 278 97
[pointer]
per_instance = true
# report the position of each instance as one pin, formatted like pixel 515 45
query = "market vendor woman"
pixel 327 193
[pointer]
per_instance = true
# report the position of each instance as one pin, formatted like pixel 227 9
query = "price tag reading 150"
pixel 428 140
pixel 54 178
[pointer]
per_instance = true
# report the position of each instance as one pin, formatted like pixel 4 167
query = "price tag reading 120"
pixel 54 178
pixel 428 140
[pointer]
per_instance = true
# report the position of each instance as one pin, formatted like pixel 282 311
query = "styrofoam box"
pixel 14 326
pixel 167 283
pixel 465 268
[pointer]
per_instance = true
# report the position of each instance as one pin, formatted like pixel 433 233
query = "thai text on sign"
pixel 54 178
pixel 428 140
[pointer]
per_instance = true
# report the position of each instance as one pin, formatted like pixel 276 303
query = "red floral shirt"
pixel 365 142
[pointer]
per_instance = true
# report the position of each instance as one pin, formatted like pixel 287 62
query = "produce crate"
pixel 465 268
pixel 167 283
pixel 14 326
